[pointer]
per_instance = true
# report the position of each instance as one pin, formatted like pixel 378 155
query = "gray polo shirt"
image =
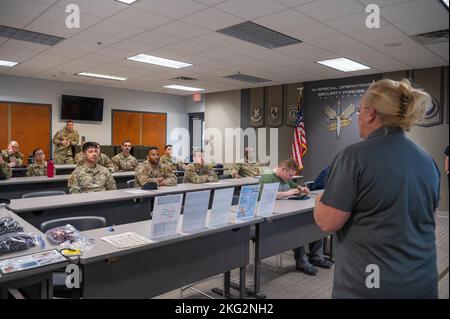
pixel 390 186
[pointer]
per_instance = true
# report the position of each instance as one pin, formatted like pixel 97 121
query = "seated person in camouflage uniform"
pixel 89 176
pixel 12 156
pixel 65 141
pixel 199 172
pixel 168 159
pixel 103 160
pixel 246 167
pixel 124 161
pixel 153 171
pixel 5 171
pixel 39 167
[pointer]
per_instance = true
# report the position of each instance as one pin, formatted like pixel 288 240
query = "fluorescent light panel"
pixel 183 88
pixel 102 76
pixel 344 64
pixel 7 63
pixel 145 58
pixel 127 1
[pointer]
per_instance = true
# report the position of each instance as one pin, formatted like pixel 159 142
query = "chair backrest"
pixel 44 193
pixel 130 183
pixel 80 222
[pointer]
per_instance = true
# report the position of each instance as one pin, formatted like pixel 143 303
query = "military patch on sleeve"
pixel 72 179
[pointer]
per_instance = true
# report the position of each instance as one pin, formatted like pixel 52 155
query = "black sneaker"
pixel 322 263
pixel 308 269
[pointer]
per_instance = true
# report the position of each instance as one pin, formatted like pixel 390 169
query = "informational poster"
pixel 195 211
pixel 247 202
pixel 220 210
pixel 268 197
pixel 166 213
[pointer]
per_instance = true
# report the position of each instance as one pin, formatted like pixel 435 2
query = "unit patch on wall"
pixel 337 119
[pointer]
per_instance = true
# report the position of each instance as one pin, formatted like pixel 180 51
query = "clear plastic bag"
pixel 69 237
pixel 9 225
pixel 13 242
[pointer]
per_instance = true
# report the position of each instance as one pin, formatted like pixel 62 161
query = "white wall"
pixel 223 110
pixel 20 89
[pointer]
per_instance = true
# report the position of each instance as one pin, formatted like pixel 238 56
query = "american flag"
pixel 299 146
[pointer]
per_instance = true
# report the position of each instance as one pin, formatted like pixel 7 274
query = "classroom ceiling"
pixel 185 30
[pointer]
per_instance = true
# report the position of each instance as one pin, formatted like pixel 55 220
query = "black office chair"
pixel 81 223
pixel 130 183
pixel 44 193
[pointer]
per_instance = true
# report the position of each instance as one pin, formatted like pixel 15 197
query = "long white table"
pixel 118 206
pixel 161 266
pixel 14 188
pixel 37 282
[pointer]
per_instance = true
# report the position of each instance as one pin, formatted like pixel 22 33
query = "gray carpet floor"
pixel 280 280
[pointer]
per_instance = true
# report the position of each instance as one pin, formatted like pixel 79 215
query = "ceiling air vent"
pixel 29 36
pixel 246 78
pixel 256 34
pixel 431 37
pixel 184 79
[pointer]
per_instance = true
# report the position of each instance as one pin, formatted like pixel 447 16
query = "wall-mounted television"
pixel 81 108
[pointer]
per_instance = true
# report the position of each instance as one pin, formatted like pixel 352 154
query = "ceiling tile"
pixel 285 20
pixel 25 8
pixel 94 38
pixel 180 30
pixel 307 52
pixel 413 10
pixel 440 49
pixel 212 19
pixel 171 8
pixel 249 10
pixel 423 25
pixel 352 23
pixel 154 39
pixel 324 10
pixel 14 20
pixel 140 18
pixel 188 47
pixel 97 8
pixel 116 29
pixel 215 40
pixel 312 32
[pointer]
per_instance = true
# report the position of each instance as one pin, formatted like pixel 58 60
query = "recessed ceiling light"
pixel 127 1
pixel 183 88
pixel 145 58
pixel 102 76
pixel 344 64
pixel 7 63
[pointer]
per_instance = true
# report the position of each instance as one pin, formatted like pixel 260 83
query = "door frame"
pixel 50 123
pixel 133 111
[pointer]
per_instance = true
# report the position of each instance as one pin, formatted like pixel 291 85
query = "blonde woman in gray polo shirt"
pixel 380 198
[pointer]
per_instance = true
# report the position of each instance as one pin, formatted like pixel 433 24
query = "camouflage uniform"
pixel 85 180
pixel 37 169
pixel 199 173
pixel 122 163
pixel 145 173
pixel 166 160
pixel 63 154
pixel 8 158
pixel 103 160
pixel 5 171
pixel 244 168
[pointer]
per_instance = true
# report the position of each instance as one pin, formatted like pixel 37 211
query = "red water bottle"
pixel 50 168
